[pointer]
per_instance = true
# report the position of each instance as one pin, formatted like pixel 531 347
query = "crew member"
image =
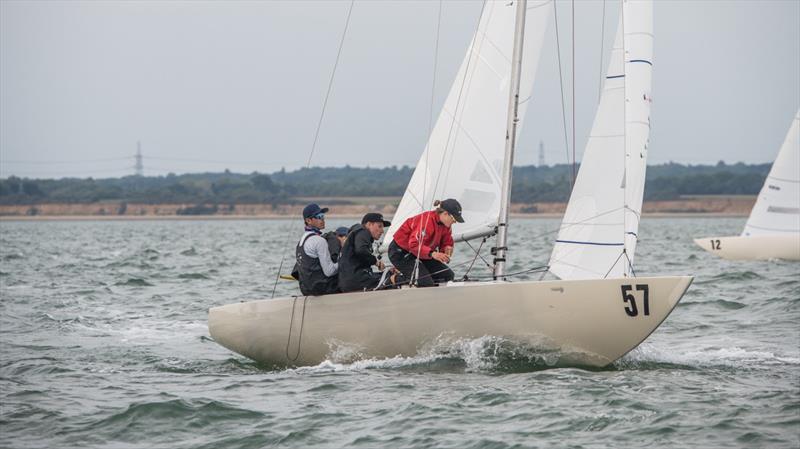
pixel 357 260
pixel 316 271
pixel 335 241
pixel 425 242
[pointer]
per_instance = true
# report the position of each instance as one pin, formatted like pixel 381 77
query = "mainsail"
pixel 464 155
pixel 598 234
pixel 777 210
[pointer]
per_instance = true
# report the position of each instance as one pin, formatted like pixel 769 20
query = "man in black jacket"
pixel 356 259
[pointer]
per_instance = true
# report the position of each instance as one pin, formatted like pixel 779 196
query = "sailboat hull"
pixel 591 322
pixel 754 247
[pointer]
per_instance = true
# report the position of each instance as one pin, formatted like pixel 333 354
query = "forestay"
pixel 777 210
pixel 598 234
pixel 464 155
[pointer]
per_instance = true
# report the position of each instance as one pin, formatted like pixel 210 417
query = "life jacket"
pixel 313 281
pixel 334 247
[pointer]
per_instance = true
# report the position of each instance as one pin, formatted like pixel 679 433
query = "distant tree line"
pixel 663 182
pixel 530 184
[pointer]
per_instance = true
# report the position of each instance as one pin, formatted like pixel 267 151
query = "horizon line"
pixel 166 172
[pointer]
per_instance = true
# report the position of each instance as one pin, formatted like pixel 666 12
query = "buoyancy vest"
pixel 312 279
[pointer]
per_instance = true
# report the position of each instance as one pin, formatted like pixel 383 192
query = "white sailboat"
pixel 773 228
pixel 590 320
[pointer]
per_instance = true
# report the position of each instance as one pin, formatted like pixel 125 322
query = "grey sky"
pixel 212 85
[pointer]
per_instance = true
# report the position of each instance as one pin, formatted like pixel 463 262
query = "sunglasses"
pixel 319 216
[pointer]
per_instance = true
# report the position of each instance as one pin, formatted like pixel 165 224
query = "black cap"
pixel 313 209
pixel 452 207
pixel 374 217
pixel 341 231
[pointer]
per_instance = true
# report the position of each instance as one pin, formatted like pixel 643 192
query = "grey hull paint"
pixel 585 320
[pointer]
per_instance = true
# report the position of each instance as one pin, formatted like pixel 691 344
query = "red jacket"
pixel 436 237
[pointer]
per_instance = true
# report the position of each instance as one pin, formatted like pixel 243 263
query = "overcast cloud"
pixel 212 85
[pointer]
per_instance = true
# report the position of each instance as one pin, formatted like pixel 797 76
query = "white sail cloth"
pixel 598 234
pixel 464 155
pixel 777 210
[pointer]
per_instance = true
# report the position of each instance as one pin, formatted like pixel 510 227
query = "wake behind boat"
pixel 598 310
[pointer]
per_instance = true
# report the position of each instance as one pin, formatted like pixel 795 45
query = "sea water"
pixel 104 343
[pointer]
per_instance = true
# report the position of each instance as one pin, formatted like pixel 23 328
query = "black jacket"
pixel 334 247
pixel 356 261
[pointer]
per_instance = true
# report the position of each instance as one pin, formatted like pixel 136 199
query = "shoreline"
pixel 719 206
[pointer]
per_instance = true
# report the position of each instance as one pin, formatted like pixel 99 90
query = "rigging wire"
pixel 543 234
pixel 435 66
pixel 627 270
pixel 77 161
pixel 602 44
pixel 316 134
pixel 330 84
pixel 550 232
pixel 477 254
pixel 574 160
pixel 630 264
pixel 561 84
pixel 430 131
pixel 460 93
pixel 38 174
pixel 432 274
pixel 625 208
pixel 541 268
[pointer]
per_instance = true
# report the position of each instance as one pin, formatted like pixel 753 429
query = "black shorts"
pixel 431 271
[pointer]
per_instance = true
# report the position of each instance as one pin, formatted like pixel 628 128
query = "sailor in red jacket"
pixel 426 237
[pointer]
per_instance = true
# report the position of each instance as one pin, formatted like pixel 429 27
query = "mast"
pixel 511 140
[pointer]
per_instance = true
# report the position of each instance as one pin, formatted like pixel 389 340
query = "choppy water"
pixel 104 344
